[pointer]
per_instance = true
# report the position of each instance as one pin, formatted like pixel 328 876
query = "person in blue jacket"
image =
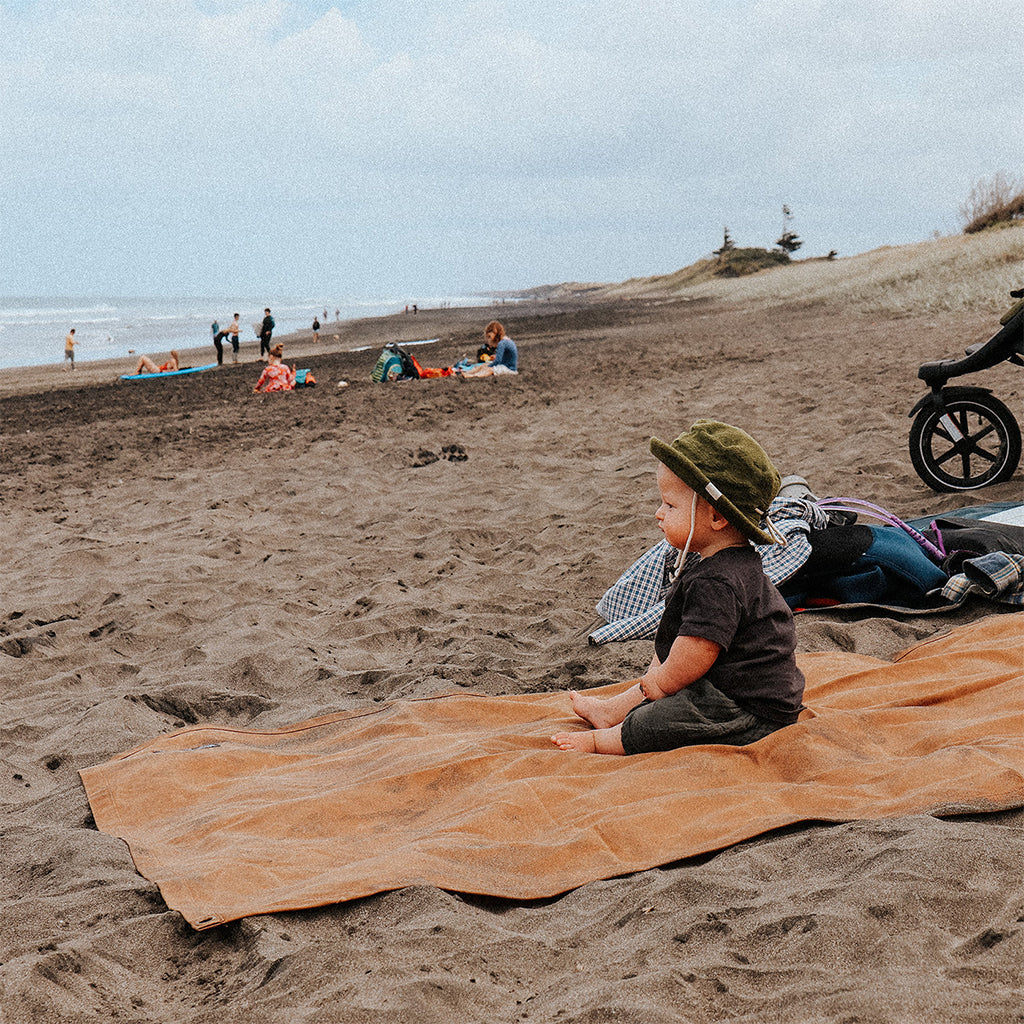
pixel 506 355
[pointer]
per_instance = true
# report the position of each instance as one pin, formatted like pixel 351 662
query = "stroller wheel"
pixel 973 442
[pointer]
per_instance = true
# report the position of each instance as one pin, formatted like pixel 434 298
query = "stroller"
pixel 964 437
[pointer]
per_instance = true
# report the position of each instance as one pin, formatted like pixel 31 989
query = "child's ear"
pixel 718 521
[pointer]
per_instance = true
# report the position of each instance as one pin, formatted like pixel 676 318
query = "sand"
pixel 185 551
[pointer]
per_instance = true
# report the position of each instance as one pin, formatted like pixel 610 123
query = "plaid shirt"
pixel 633 605
pixel 998 576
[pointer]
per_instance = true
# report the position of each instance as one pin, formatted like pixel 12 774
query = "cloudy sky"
pixel 405 147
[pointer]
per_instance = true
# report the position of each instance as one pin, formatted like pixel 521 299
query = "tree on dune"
pixel 727 244
pixel 788 242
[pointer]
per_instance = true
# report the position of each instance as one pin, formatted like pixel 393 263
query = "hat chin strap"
pixel 689 536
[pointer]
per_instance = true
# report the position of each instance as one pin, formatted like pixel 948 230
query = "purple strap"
pixel 858 505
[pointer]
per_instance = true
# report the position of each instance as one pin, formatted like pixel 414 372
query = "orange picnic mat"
pixel 467 793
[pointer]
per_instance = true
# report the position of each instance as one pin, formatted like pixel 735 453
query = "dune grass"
pixel 957 273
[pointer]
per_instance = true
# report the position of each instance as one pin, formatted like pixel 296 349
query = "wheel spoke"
pixel 965 471
pixel 981 453
pixel 950 453
pixel 973 441
pixel 969 444
pixel 984 432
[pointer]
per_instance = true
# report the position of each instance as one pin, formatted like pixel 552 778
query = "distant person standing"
pixel 233 335
pixel 69 349
pixel 316 328
pixel 266 332
pixel 218 341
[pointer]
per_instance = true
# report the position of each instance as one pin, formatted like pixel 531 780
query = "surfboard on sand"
pixel 169 373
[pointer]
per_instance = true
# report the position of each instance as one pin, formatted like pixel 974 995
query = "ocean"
pixel 32 330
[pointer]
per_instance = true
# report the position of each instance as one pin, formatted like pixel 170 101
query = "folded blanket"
pixel 467 793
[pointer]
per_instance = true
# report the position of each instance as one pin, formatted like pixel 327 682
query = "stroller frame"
pixel 963 438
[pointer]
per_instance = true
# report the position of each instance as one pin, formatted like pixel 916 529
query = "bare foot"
pixel 600 713
pixel 592 741
pixel 583 742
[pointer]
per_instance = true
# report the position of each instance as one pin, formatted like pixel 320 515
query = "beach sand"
pixel 185 551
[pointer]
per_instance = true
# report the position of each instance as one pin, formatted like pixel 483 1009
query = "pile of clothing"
pixel 828 558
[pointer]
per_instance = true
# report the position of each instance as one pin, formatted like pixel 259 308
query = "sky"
pixel 407 148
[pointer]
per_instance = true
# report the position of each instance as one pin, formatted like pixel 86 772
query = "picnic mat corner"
pixel 466 792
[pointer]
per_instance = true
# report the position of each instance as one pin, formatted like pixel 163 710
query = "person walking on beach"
pixel 233 335
pixel 266 331
pixel 316 328
pixel 724 669
pixel 69 349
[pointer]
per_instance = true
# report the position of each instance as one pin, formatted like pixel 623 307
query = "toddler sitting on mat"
pixel 724 669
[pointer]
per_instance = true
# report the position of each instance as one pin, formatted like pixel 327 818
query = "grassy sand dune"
pixel 955 274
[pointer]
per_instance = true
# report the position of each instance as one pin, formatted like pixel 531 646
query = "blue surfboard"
pixel 168 373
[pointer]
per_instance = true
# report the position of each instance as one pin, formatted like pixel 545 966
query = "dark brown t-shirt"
pixel 728 600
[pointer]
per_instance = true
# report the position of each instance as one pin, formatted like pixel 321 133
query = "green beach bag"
pixel 393 364
pixel 389 367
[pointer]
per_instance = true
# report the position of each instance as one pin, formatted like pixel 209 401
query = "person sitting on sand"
pixel 276 376
pixel 724 669
pixel 506 355
pixel 146 365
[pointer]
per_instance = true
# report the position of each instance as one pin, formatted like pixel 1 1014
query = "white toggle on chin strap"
pixel 689 536
pixel 771 528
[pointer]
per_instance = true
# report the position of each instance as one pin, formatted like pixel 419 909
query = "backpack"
pixel 304 379
pixel 394 364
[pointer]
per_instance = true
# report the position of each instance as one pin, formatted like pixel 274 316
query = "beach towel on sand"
pixel 467 793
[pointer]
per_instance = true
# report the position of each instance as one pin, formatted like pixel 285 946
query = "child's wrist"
pixel 650 690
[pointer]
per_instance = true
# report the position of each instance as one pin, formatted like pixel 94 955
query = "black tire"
pixel 987 451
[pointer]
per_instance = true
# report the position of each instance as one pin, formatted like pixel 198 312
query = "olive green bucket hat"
pixel 728 469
